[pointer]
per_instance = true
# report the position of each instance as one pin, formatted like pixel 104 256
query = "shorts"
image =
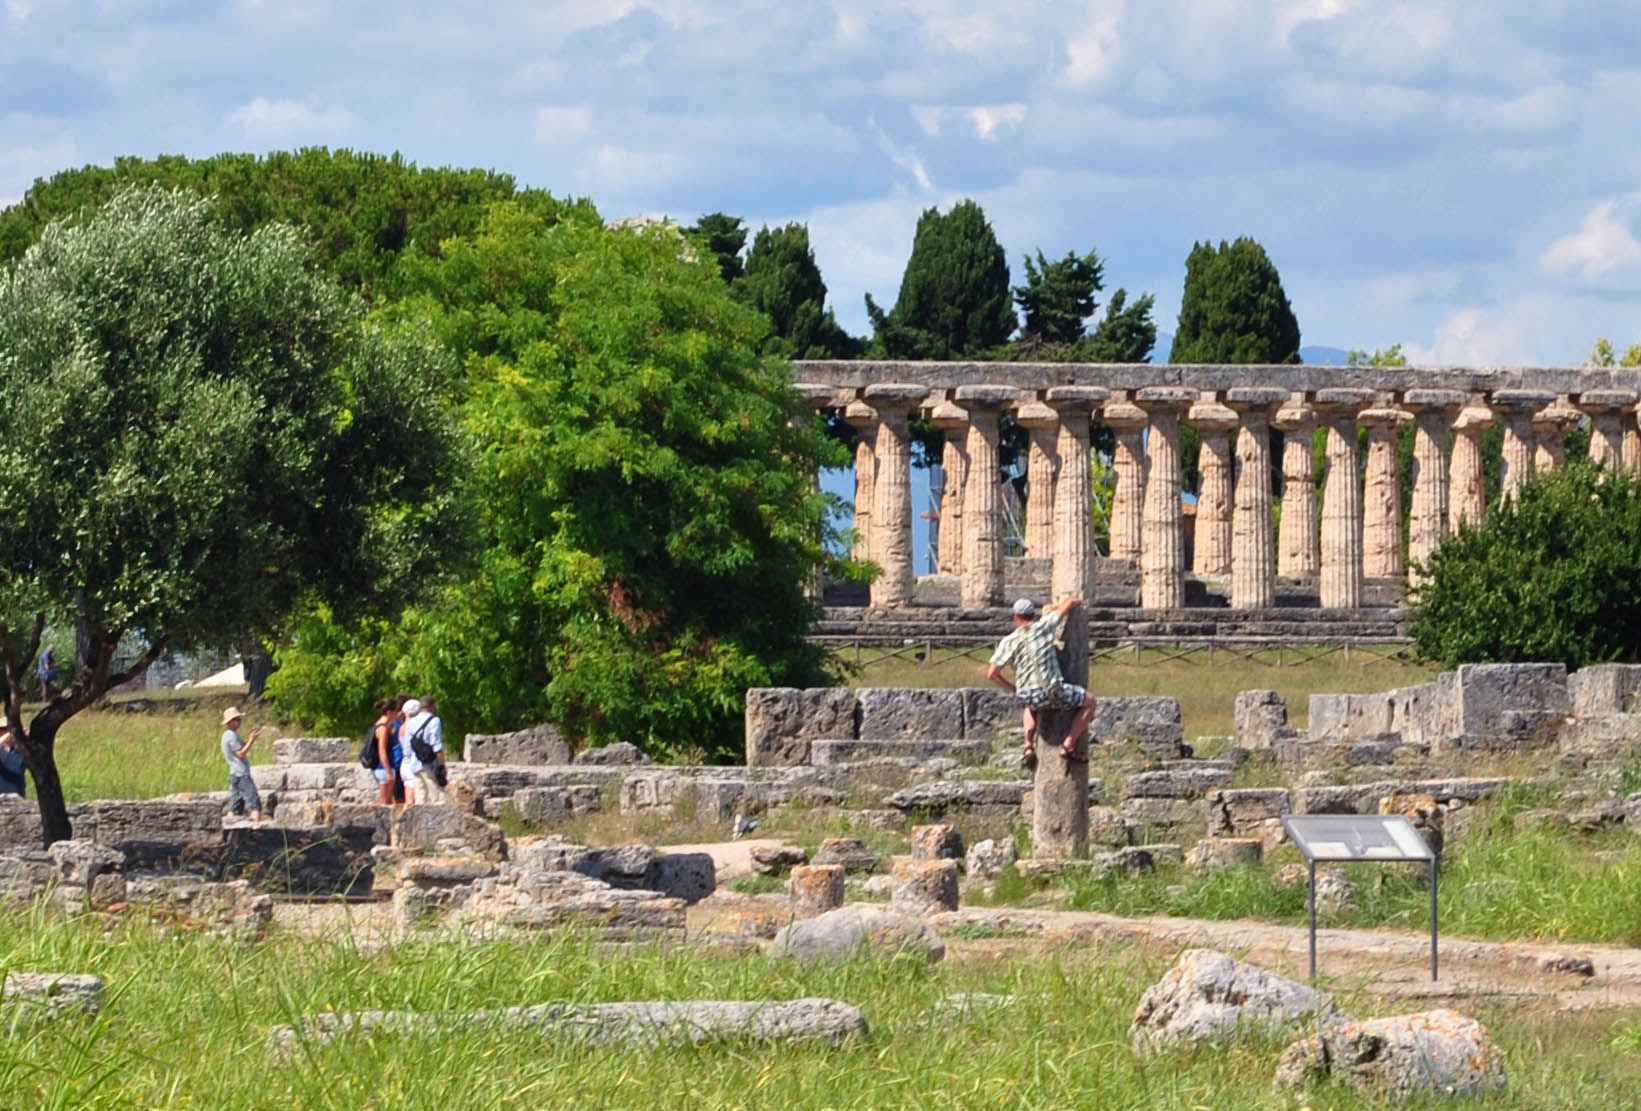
pixel 381 776
pixel 1066 696
pixel 243 795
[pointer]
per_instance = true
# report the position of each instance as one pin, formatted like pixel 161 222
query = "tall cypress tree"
pixel 783 282
pixel 724 236
pixel 955 299
pixel 1234 309
pixel 1058 297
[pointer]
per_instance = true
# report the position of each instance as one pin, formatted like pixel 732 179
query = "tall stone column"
pixel 1467 503
pixel 1059 789
pixel 1632 439
pixel 1518 407
pixel 953 423
pixel 1127 422
pixel 1382 498
pixel 1298 553
pixel 1162 557
pixel 1211 551
pixel 1253 550
pixel 863 418
pixel 1341 499
pixel 1043 426
pixel 892 502
pixel 1550 427
pixel 1072 572
pixel 982 584
pixel 1427 516
pixel 1607 409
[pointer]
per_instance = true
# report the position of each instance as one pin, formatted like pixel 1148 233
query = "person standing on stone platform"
pixel 387 750
pixel 243 797
pixel 423 735
pixel 1039 685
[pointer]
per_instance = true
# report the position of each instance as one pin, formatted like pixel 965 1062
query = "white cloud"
pixel 1090 52
pixel 987 118
pixel 563 124
pixel 1603 249
pixel 274 120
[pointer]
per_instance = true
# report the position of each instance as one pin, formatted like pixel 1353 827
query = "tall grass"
pixel 188 1016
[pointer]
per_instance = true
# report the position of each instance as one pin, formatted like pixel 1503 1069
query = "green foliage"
pixel 1379 356
pixel 1058 297
pixel 783 282
pixel 1233 309
pixel 1553 575
pixel 647 523
pixel 357 213
pixel 724 236
pixel 1603 355
pixel 1126 334
pixel 954 297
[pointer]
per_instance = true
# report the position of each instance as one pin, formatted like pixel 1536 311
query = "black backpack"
pixel 424 751
pixel 370 757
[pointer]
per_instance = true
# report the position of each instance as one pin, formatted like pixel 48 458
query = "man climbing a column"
pixel 1039 684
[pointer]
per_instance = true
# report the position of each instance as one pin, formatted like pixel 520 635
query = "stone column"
pixel 1059 789
pixel 954 460
pixel 1518 407
pixel 1127 422
pixel 1550 428
pixel 982 585
pixel 1427 517
pixel 1298 555
pixel 1211 552
pixel 1632 439
pixel 1072 573
pixel 892 501
pixel 1382 498
pixel 1253 551
pixel 1607 409
pixel 1162 558
pixel 1042 465
pixel 1467 503
pixel 1341 499
pixel 863 418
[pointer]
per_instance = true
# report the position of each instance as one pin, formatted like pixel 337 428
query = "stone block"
pixel 1605 689
pixel 1342 718
pixel 816 889
pixel 849 853
pixel 1510 707
pixel 1261 716
pixel 988 859
pixel 991 715
pixel 924 887
pixel 781 721
pixel 443 871
pixel 1208 997
pixel 621 753
pixel 687 876
pixel 1439 1054
pixel 936 842
pixel 1607 737
pixel 1177 783
pixel 325 861
pixel 539 744
pixel 46 995
pixel 317 750
pixel 1108 828
pixel 326 777
pixel 773 860
pixel 19 822
pixel 178 820
pixel 1245 810
pixel 843 932
pixel 831 753
pixel 1162 813
pixel 894 713
pixel 555 854
pixel 937 798
pixel 1213 853
pixel 420 829
pixel 1152 723
pixel 1423 714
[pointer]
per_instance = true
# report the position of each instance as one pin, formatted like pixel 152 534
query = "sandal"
pixel 1029 754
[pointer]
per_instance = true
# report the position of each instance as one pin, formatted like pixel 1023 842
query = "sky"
pixel 1462 177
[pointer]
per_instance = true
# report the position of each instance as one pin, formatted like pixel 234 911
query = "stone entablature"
pixel 1233 409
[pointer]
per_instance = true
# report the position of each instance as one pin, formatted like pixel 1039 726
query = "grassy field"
pixel 187 1018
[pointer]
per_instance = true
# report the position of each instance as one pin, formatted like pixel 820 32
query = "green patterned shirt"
pixel 1030 649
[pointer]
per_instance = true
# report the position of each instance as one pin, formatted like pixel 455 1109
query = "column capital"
pixel 1208 415
pixel 1124 416
pixel 1032 413
pixel 1342 401
pixel 817 396
pixel 1295 416
pixel 986 396
pixel 1597 401
pixel 1162 399
pixel 1076 397
pixel 1381 416
pixel 894 395
pixel 1473 416
pixel 1559 415
pixel 946 414
pixel 1441 400
pixel 858 414
pixel 1246 399
pixel 1517 401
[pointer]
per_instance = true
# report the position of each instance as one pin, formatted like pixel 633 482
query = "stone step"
pixel 832 753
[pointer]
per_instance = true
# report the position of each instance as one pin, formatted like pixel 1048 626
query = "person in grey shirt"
pixel 242 793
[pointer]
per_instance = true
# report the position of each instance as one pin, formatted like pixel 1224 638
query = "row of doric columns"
pixel 1360 533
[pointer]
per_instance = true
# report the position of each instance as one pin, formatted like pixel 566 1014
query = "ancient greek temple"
pixel 1362 536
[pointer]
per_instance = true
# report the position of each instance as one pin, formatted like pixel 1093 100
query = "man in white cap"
pixel 242 792
pixel 1038 682
pixel 423 738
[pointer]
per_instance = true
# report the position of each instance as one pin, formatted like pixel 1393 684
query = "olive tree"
pixel 198 431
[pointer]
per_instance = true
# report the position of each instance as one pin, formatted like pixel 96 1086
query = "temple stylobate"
pixel 1237 551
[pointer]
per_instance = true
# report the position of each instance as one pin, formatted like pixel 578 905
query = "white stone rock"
pixel 1207 996
pixel 1438 1052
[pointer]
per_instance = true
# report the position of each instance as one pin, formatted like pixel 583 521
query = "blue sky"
pixel 1459 176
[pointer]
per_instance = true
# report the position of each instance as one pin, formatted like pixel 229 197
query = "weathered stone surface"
pixel 1607 737
pixel 179 820
pixel 548 805
pixel 1153 723
pixel 621 753
pixel 1152 813
pixel 991 715
pixel 936 798
pixel 924 886
pixel 831 753
pixel 316 750
pixel 638 1026
pixel 1207 996
pixel 1605 689
pixel 840 933
pixel 1107 826
pixel 781 721
pixel 988 859
pixel 1340 718
pixel 815 889
pixel 81 862
pixel 849 853
pixel 1224 852
pixel 525 899
pixel 421 828
pixel 687 876
pixel 1507 706
pixel 1439 1052
pixel 1177 782
pixel 555 854
pixel 47 995
pixel 1261 717
pixel 234 907
pixel 539 744
pixel 444 870
pixel 1234 811
pixel 892 713
pixel 327 860
pixel 773 860
pixel 19 822
pixel 937 842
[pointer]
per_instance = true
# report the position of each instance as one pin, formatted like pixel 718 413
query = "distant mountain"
pixel 1316 355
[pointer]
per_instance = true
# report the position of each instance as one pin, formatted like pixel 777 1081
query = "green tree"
pixel 1554 575
pixel 783 282
pixel 647 523
pixel 1233 309
pixel 1603 355
pixel 955 300
pixel 1126 334
pixel 1059 296
pixel 199 432
pixel 723 235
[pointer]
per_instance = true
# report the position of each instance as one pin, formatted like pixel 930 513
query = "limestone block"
pixel 1438 1052
pixel 937 842
pixel 773 860
pixel 81 862
pixel 758 921
pixel 990 714
pixel 46 995
pixel 816 888
pixel 543 805
pixel 323 861
pixel 1511 706
pixel 1162 813
pixel 1261 716
pixel 885 819
pixel 988 859
pixel 178 820
pixel 890 713
pixel 849 853
pixel 1108 827
pixel 619 753
pixel 539 744
pixel 1605 689
pixel 1177 783
pixel 924 887
pixel 421 828
pixel 1338 718
pixel 1207 996
pixel 317 750
pixel 937 798
pixel 781 721
pixel 549 900
pixel 1213 853
pixel 687 876
pixel 1600 738
pixel 443 871
pixel 1150 722
pixel 1238 811
pixel 1423 714
pixel 839 934
pixel 19 822
pixel 326 777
